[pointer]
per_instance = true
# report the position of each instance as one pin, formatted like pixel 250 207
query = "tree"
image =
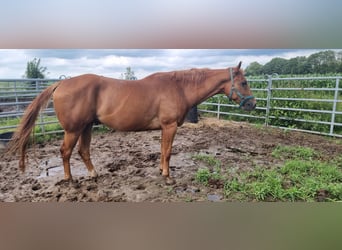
pixel 339 62
pixel 34 70
pixel 276 65
pixel 297 65
pixel 323 62
pixel 129 74
pixel 254 69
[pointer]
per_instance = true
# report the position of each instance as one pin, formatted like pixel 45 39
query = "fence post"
pixel 218 107
pixel 268 104
pixel 334 107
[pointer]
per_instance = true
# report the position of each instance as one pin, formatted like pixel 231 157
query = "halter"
pixel 243 99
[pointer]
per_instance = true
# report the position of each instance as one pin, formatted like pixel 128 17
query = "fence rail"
pixel 309 104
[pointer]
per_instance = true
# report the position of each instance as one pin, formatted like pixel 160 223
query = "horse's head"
pixel 237 89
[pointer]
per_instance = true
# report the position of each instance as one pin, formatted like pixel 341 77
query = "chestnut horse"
pixel 159 101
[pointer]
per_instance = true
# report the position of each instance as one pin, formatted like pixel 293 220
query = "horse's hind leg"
pixel 68 145
pixel 83 149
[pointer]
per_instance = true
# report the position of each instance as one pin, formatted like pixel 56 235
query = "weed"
pixel 267 187
pixel 302 177
pixel 259 126
pixel 170 190
pixel 208 159
pixel 188 199
pixel 232 187
pixel 294 152
pixel 203 176
pixel 296 180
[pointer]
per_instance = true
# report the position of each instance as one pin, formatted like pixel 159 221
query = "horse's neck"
pixel 212 85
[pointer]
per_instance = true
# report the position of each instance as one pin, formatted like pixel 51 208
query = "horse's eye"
pixel 244 84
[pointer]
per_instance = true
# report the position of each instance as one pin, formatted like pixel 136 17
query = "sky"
pixel 170 24
pixel 113 62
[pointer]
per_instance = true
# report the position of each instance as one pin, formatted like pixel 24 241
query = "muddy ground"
pixel 128 163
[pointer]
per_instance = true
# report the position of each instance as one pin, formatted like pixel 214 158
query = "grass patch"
pixel 203 175
pixel 291 152
pixel 302 177
pixel 208 159
pixel 212 173
pixel 296 180
pixel 259 126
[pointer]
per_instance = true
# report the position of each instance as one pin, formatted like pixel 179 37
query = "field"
pixel 213 160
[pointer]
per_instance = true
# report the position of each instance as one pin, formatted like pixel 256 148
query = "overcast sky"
pixel 107 62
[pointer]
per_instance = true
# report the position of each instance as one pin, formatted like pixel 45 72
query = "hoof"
pixel 22 169
pixel 92 174
pixel 169 181
pixel 63 182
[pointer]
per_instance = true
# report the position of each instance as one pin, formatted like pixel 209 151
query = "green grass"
pixel 53 124
pixel 259 126
pixel 9 122
pixel 204 175
pixel 302 177
pixel 296 180
pixel 298 152
pixel 208 159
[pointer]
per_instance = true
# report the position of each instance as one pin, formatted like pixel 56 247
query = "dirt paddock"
pixel 128 163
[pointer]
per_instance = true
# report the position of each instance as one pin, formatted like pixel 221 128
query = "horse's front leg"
pixel 168 134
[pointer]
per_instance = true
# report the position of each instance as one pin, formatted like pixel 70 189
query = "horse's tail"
pixel 21 136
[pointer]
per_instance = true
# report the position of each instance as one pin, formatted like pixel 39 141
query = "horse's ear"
pixel 237 69
pixel 239 66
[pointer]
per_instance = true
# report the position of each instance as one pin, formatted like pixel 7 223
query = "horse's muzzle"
pixel 249 105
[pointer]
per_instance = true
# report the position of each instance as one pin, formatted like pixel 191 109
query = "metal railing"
pixel 16 95
pixel 308 104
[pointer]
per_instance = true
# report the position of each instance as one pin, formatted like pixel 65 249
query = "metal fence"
pixel 310 104
pixel 16 95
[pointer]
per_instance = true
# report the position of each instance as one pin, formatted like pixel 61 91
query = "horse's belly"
pixel 130 124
